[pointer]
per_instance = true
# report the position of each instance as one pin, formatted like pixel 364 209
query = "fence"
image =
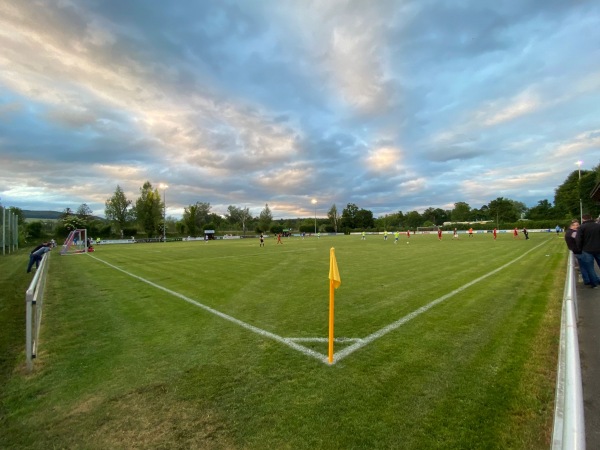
pixel 569 426
pixel 34 300
pixel 10 231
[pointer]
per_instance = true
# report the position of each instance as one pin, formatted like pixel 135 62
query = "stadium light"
pixel 314 202
pixel 579 163
pixel 164 188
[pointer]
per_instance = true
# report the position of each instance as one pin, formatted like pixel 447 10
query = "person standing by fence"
pixel 570 240
pixel 588 241
pixel 36 255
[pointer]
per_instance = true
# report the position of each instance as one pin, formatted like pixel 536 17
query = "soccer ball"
pixel 407 242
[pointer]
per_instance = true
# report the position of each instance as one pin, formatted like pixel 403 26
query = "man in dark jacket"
pixel 570 236
pixel 588 241
pixel 36 255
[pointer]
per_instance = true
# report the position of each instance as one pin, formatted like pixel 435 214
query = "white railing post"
pixel 34 298
pixel 3 230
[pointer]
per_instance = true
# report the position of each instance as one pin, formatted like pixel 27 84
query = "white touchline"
pixel 319 339
pixel 291 342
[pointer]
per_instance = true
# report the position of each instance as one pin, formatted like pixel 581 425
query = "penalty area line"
pixel 319 339
pixel 289 342
pixel 397 324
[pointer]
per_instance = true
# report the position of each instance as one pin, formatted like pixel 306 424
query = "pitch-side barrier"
pixel 34 299
pixel 569 425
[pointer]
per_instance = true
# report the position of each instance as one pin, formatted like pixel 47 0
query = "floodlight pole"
pixel 164 188
pixel 579 188
pixel 314 202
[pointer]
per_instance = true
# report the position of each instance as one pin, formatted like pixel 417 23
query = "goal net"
pixel 75 243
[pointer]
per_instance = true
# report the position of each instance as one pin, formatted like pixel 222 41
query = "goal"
pixel 75 243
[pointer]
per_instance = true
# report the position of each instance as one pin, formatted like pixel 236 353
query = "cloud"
pixel 389 105
pixel 500 111
pixel 384 159
pixel 580 144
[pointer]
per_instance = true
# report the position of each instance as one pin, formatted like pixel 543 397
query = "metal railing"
pixel 569 425
pixel 9 231
pixel 34 300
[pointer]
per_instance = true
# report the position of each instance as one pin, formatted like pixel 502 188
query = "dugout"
pixel 209 235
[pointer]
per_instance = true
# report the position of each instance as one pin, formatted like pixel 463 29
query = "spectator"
pixel 36 255
pixel 570 239
pixel 588 242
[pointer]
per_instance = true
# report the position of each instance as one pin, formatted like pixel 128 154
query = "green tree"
pixel 572 197
pixel 66 213
pixel 118 210
pixel 436 216
pixel 276 228
pixel 190 220
pixel 216 220
pixel 384 222
pixel 413 220
pixel 238 216
pixel 567 195
pixel 364 219
pixel 265 218
pixel 461 212
pixel 149 209
pixel 520 208
pixel 35 229
pixel 245 217
pixel 19 213
pixel 233 215
pixel 72 222
pixel 203 216
pixel 399 220
pixel 334 217
pixel 478 214
pixel 391 222
pixel 504 210
pixel 542 211
pixel 84 212
pixel 349 216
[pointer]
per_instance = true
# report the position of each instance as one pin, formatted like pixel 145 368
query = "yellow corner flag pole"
pixel 334 283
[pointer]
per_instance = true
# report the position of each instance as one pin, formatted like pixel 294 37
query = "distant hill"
pixel 47 215
pixel 28 214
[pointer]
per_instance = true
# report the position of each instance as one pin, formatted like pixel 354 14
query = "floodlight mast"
pixel 164 187
pixel 579 163
pixel 314 202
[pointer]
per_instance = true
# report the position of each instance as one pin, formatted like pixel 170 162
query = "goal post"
pixel 76 243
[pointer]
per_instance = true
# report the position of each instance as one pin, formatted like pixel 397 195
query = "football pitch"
pixel 438 344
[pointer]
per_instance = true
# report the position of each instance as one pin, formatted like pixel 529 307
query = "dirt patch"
pixel 146 418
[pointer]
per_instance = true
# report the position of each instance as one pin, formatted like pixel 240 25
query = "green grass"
pixel 124 364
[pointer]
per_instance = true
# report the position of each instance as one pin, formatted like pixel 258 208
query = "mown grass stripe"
pixel 393 326
pixel 358 342
pixel 288 342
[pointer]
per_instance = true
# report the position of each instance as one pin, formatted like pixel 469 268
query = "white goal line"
pixel 357 343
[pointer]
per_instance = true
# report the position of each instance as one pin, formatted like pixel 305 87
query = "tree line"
pixel 146 215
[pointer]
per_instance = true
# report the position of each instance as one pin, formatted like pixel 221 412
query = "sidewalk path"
pixel 588 329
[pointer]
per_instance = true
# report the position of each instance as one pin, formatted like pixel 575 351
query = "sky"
pixel 391 105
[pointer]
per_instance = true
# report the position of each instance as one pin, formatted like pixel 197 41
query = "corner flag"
pixel 334 273
pixel 334 283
